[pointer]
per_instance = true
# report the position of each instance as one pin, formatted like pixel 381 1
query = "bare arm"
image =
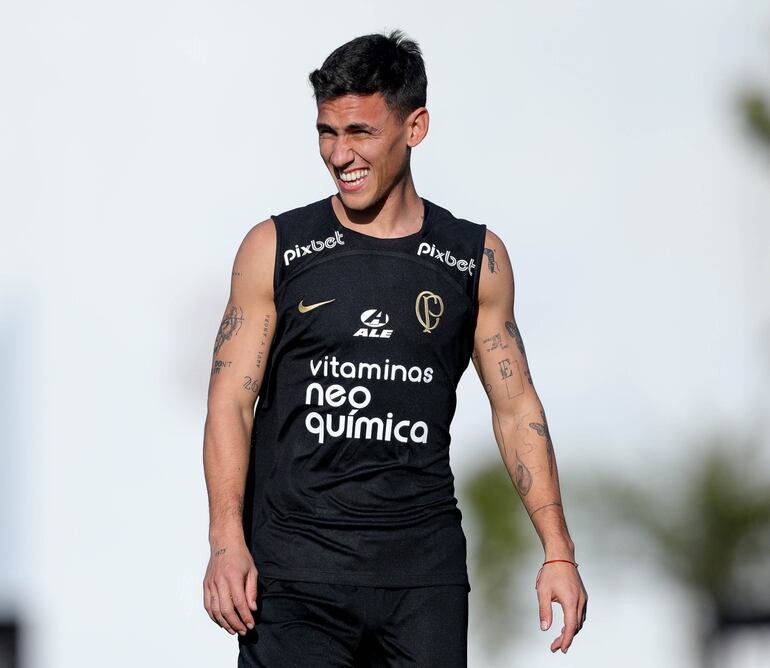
pixel 520 425
pixel 241 350
pixel 518 418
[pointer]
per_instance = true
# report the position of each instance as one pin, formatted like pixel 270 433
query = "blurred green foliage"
pixel 504 535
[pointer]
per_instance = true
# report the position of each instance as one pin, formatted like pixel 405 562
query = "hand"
pixel 230 587
pixel 561 582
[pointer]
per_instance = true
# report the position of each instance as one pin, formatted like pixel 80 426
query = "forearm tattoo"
pixel 542 430
pixel 523 477
pixel 554 503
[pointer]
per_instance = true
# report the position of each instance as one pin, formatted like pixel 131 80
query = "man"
pixel 335 533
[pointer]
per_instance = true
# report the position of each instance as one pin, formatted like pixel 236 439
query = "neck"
pixel 397 214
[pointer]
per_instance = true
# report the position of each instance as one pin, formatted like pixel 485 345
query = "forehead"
pixel 354 108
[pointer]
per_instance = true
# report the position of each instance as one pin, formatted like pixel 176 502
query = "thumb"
pixel 546 614
pixel 251 588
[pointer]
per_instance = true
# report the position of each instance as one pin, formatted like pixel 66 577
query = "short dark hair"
pixel 389 64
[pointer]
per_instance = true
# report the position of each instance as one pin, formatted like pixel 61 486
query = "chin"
pixel 355 201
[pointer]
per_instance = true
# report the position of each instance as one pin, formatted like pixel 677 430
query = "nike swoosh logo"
pixel 304 309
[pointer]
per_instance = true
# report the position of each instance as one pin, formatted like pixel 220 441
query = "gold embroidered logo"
pixel 304 309
pixel 422 307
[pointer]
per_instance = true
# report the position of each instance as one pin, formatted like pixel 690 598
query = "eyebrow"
pixel 352 127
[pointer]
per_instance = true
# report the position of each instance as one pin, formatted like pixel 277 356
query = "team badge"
pixel 428 307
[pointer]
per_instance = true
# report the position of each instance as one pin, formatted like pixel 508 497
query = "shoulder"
pixel 259 240
pixel 443 217
pixel 254 261
pixel 306 211
pixel 493 243
pixel 496 277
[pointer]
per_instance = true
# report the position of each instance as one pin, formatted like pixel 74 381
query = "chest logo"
pixel 313 247
pixel 375 321
pixel 428 307
pixel 446 257
pixel 304 309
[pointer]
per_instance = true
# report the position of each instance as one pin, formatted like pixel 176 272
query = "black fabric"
pixel 351 476
pixel 320 625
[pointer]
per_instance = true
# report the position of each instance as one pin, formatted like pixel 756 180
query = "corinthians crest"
pixel 428 307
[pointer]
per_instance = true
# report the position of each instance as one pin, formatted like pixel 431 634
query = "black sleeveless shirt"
pixel 350 472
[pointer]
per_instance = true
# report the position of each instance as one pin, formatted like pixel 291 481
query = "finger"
pixel 251 588
pixel 227 607
pixel 557 642
pixel 582 613
pixel 241 605
pixel 207 602
pixel 570 626
pixel 546 614
pixel 220 600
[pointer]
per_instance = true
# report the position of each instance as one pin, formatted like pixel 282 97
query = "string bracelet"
pixel 550 561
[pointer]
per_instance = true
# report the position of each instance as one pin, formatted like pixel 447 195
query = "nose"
pixel 342 153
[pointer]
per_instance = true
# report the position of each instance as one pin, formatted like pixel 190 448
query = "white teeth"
pixel 354 176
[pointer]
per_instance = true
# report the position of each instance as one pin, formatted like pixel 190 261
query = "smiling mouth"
pixel 353 178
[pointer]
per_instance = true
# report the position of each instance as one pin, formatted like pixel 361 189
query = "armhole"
pixel 477 277
pixel 277 267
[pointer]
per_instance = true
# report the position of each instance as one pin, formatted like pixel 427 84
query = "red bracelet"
pixel 550 561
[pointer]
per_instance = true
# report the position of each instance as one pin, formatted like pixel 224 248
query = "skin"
pixel 360 132
pixel 524 440
pixel 241 348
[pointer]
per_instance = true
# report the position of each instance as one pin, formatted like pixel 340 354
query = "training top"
pixel 350 469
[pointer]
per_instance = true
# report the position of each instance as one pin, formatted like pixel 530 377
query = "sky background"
pixel 140 141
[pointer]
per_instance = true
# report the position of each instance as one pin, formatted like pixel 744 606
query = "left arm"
pixel 521 432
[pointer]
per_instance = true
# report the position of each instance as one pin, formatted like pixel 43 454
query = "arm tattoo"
pixel 555 503
pixel 523 480
pixel 218 366
pixel 513 330
pixel 491 262
pixel 231 323
pixel 513 383
pixel 250 383
pixel 542 430
pixel 495 341
pixel 263 343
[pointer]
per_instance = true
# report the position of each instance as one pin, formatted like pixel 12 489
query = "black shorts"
pixel 319 625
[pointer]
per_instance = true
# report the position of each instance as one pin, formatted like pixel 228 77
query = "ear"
pixel 417 126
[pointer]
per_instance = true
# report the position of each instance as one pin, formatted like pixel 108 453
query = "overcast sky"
pixel 140 141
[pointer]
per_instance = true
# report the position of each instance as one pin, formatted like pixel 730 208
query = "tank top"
pixel 350 470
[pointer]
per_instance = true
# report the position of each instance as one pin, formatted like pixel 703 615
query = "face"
pixel 366 147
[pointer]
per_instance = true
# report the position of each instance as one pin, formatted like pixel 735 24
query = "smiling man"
pixel 335 535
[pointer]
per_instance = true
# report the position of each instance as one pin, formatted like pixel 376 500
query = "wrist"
pixel 562 549
pixel 225 535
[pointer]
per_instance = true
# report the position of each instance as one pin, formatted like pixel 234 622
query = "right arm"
pixel 241 351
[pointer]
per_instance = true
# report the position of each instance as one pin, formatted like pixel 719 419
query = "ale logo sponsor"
pixel 429 307
pixel 374 320
pixel 313 247
pixel 446 257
